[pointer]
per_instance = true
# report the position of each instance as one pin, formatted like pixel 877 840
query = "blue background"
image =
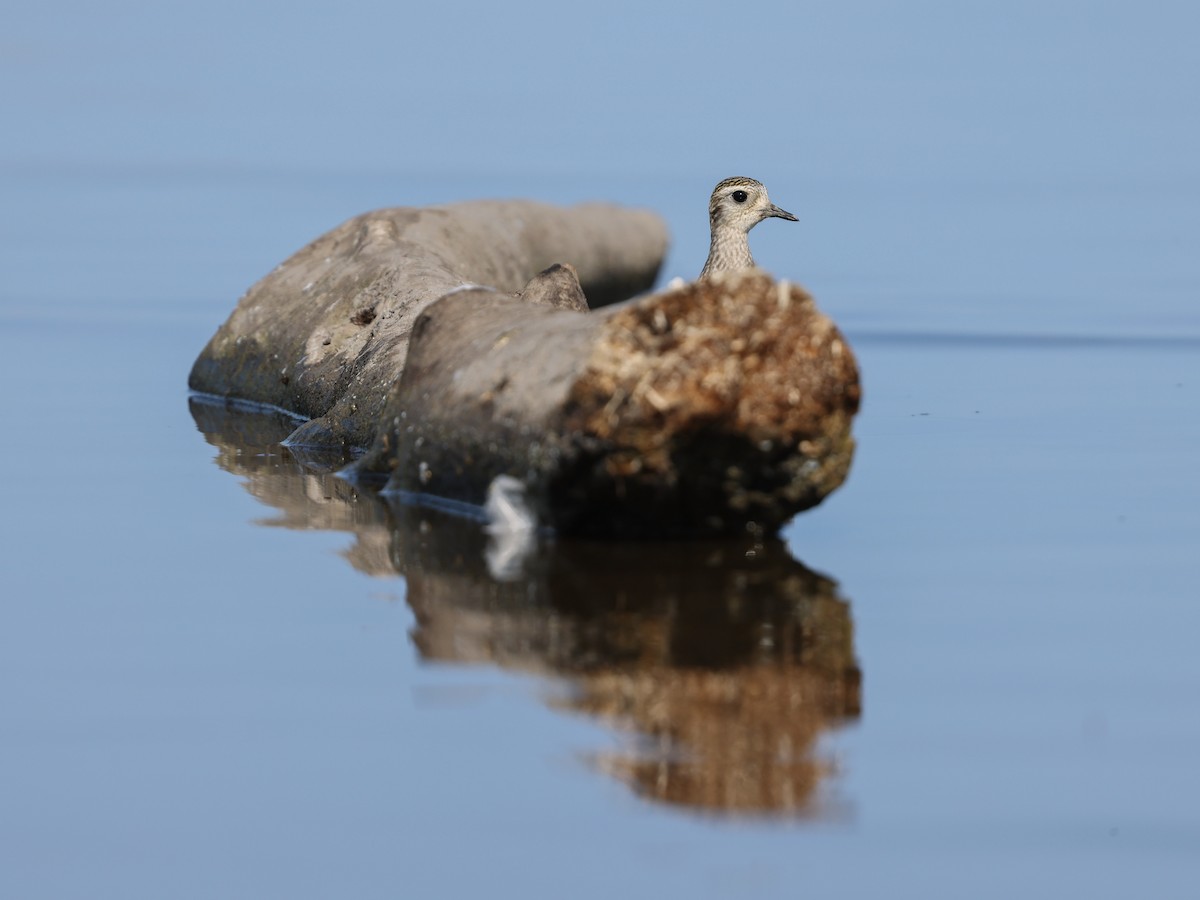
pixel 1000 204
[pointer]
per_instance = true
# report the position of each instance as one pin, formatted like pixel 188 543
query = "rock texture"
pixel 721 405
pixel 326 333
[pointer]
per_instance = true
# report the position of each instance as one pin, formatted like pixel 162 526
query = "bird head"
pixel 741 203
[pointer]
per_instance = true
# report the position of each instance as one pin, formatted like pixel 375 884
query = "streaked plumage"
pixel 736 206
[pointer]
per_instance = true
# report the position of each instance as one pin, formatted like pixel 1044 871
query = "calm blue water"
pixel 224 675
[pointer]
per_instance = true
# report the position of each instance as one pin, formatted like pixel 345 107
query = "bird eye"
pixel 739 196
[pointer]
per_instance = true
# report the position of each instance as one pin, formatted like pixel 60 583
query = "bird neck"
pixel 728 250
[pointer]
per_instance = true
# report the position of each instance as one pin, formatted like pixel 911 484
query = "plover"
pixel 737 205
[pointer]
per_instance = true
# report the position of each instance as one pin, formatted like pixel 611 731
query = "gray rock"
pixel 326 333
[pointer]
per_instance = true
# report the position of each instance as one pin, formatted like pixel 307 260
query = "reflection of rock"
pixel 726 660
pixel 728 666
pixel 307 496
pixel 732 741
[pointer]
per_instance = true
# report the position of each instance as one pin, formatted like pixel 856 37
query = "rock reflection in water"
pixel 723 661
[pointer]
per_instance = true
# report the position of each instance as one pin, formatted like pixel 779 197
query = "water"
pixel 969 673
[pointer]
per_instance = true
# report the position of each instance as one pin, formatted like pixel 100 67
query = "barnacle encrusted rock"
pixel 701 410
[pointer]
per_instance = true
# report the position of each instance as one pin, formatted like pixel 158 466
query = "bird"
pixel 736 206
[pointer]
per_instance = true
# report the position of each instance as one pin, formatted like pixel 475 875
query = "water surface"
pixel 971 672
